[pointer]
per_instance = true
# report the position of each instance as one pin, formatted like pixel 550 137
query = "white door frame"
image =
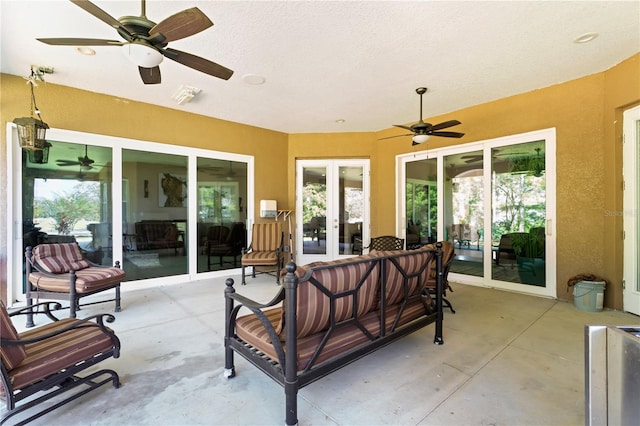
pixel 549 135
pixel 332 229
pixel 631 210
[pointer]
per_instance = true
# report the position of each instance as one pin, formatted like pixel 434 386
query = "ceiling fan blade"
pixel 447 134
pixel 182 24
pixel 445 124
pixel 198 63
pixel 403 127
pixel 67 163
pixel 79 42
pixel 103 16
pixel 396 136
pixel 150 75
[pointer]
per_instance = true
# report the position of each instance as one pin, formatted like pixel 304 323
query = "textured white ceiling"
pixel 360 61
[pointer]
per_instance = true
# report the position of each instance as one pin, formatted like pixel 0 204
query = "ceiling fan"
pixel 85 162
pixel 146 42
pixel 422 130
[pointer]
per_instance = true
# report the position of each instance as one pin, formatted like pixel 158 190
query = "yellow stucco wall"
pixel 583 111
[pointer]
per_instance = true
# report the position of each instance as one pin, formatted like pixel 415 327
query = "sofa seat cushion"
pixel 411 311
pixel 11 355
pixel 59 352
pixel 59 258
pixel 250 329
pixel 260 258
pixel 87 280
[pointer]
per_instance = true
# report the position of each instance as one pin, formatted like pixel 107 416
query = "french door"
pixel 631 202
pixel 495 202
pixel 332 208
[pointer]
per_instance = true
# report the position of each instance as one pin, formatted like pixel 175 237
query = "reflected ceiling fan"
pixel 421 131
pixel 146 42
pixel 85 162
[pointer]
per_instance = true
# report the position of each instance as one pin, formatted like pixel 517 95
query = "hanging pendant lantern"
pixel 31 130
pixel 39 156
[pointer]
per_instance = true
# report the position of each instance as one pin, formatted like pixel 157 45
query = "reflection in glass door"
pixel 332 208
pixel 495 203
pixel 421 192
pixel 519 213
pixel 154 233
pixel 464 211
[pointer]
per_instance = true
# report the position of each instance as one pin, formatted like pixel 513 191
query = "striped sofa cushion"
pixel 87 280
pixel 11 355
pixel 415 265
pixel 51 355
pixel 339 277
pixel 250 329
pixel 59 258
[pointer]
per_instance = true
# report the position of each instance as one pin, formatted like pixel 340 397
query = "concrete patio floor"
pixel 508 359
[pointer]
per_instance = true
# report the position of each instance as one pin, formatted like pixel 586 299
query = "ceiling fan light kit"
pixel 418 139
pixel 142 54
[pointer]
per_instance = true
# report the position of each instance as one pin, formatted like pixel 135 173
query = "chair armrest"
pixel 252 304
pixel 77 324
pixel 48 307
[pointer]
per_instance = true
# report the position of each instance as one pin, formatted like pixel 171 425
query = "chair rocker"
pixel 44 363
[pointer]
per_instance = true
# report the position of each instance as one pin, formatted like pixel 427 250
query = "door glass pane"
pixel 314 210
pixel 519 213
pixel 351 208
pixel 155 223
pixel 221 213
pixel 421 194
pixel 464 204
pixel 67 198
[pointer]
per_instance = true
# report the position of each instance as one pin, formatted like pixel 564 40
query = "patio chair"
pixel 60 272
pixel 265 249
pixel 44 363
pixel 448 253
pixel 385 243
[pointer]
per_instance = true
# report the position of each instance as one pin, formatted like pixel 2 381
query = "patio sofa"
pixel 329 314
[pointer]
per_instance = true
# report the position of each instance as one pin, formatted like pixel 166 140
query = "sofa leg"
pixel 30 322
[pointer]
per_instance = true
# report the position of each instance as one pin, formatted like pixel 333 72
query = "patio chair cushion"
pixel 11 355
pixel 60 258
pixel 260 258
pixel 89 279
pixel 57 352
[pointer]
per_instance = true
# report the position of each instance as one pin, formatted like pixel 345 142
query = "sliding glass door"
pixel 152 209
pixel 495 203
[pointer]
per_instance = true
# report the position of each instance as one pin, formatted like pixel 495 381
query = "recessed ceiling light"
pixel 253 79
pixel 84 50
pixel 585 38
pixel 340 120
